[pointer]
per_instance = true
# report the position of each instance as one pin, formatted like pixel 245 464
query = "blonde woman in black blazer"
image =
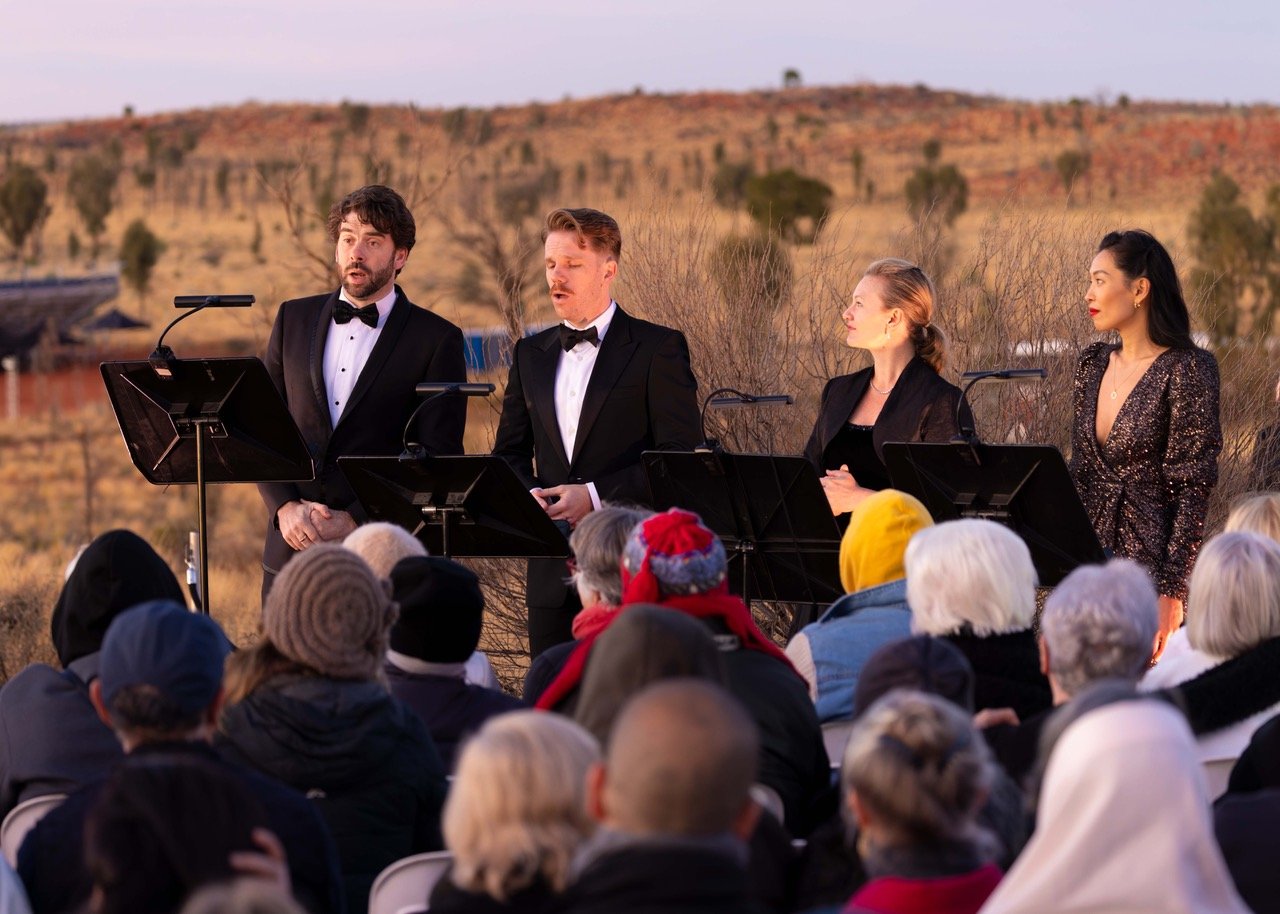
pixel 901 397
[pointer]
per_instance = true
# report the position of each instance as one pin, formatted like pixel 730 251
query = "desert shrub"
pixel 23 204
pixel 789 204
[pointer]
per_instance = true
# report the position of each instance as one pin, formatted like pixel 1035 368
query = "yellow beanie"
pixel 873 545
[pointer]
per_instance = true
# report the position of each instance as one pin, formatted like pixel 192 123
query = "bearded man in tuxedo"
pixel 584 399
pixel 346 363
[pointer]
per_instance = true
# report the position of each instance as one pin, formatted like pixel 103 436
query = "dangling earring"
pixel 886 331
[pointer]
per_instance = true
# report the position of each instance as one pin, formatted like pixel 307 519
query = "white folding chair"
pixel 405 886
pixel 21 819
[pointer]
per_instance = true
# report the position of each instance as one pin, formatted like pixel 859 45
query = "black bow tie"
pixel 344 313
pixel 570 337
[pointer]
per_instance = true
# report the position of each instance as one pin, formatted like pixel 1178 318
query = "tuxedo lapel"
pixel 381 352
pixel 615 352
pixel 544 358
pixel 319 335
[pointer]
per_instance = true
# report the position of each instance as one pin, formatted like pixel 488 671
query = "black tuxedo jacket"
pixel 642 396
pixel 414 346
pixel 921 407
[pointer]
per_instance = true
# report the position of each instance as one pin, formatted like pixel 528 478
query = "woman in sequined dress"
pixel 1146 437
pixel 901 397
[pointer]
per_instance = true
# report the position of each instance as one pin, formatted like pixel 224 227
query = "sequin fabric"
pixel 1147 489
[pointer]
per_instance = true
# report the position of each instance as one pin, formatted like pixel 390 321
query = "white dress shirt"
pixel 572 375
pixel 346 349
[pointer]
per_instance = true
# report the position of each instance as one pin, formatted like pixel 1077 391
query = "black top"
pixel 921 407
pixel 852 447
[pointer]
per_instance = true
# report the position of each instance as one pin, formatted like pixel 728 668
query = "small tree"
pixel 858 161
pixel 92 185
pixel 753 273
pixel 139 253
pixel 1234 259
pixel 729 183
pixel 791 78
pixel 936 196
pixel 789 204
pixel 1071 165
pixel 23 205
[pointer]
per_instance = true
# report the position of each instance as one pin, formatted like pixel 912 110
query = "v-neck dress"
pixel 1147 487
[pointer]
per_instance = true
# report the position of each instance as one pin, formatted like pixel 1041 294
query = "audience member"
pixel 646 644
pixel 915 774
pixel 163 827
pixel 159 690
pixel 307 705
pixel 597 544
pixel 672 560
pixel 1099 623
pixel 674 804
pixel 516 814
pixel 972 583
pixel 1123 822
pixel 382 546
pixel 1256 514
pixel 51 740
pixel 1221 667
pixel 441 615
pixel 830 653
pixel 830 867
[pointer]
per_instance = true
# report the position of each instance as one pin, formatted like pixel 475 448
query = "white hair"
pixel 1100 623
pixel 970 573
pixel 382 545
pixel 1233 598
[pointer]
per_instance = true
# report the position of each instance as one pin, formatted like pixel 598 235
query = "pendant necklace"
pixel 1128 375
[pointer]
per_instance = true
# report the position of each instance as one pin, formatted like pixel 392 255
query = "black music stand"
pixel 1026 487
pixel 209 420
pixel 769 511
pixel 468 506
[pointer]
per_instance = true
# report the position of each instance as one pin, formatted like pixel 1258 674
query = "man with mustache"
pixel 585 399
pixel 346 363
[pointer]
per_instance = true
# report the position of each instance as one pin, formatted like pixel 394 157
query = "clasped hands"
pixel 304 524
pixel 842 490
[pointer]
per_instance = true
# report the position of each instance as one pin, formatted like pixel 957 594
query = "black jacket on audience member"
pixel 1245 825
pixel 447 898
pixel 51 740
pixel 662 878
pixel 363 757
pixel 51 860
pixel 451 707
pixel 1006 671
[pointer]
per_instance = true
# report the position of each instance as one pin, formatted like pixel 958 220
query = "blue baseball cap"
pixel 162 644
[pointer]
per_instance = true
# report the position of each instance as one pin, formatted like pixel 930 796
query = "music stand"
pixel 469 506
pixel 769 511
pixel 1026 487
pixel 211 420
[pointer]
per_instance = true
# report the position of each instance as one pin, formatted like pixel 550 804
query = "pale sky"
pixel 74 58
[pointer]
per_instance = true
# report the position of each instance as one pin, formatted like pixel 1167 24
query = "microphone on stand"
pixel 416 451
pixel 728 398
pixel 968 433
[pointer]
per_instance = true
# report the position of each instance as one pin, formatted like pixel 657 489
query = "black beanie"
pixel 441 609
pixel 117 570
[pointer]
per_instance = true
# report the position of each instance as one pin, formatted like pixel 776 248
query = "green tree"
pixel 1235 257
pixel 92 185
pixel 791 78
pixel 729 183
pixel 858 161
pixel 936 195
pixel 1072 165
pixel 139 253
pixel 791 205
pixel 23 205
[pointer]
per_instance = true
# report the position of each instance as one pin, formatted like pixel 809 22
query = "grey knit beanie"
pixel 328 611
